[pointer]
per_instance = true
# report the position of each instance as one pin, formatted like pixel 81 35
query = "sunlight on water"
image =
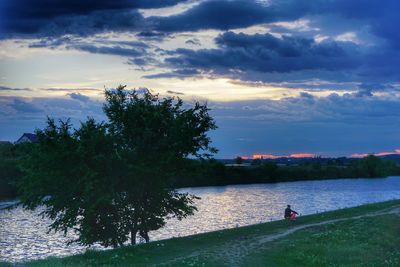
pixel 23 233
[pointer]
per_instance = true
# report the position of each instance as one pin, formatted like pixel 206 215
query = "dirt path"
pixel 232 252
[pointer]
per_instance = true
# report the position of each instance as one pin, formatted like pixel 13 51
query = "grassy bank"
pixel 337 238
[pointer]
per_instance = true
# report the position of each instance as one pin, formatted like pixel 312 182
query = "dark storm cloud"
pixel 238 53
pixel 56 18
pixel 225 14
pixel 380 63
pixel 381 17
pixel 61 17
pixel 93 23
pixel 374 20
pixel 113 50
pixel 294 57
pixel 152 35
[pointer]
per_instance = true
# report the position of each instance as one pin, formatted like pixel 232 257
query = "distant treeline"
pixel 214 172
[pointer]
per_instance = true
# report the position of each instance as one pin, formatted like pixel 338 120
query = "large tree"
pixel 110 181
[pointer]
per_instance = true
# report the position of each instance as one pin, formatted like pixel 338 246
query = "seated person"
pixel 290 214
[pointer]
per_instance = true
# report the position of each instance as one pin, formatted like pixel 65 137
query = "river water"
pixel 23 233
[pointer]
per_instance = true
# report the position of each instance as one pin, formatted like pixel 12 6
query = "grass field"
pixel 368 235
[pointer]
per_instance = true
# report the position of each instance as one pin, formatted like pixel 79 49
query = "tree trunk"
pixel 145 235
pixel 133 236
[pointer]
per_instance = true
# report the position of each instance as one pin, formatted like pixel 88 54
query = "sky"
pixel 282 77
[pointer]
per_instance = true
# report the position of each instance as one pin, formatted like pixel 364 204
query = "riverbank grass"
pixel 368 240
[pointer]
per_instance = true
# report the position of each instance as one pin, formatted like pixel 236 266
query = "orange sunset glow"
pixel 271 156
pixel 385 153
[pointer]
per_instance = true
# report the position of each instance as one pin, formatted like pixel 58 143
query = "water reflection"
pixel 23 234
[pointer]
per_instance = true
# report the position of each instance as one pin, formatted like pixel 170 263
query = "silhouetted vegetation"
pixel 110 182
pixel 213 172
pixel 10 173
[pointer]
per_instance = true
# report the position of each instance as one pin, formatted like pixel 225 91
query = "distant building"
pixel 27 138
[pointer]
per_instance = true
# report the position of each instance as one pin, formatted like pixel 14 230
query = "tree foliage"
pixel 9 172
pixel 110 181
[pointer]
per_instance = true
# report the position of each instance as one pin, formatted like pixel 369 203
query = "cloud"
pixel 18 108
pixel 179 73
pixel 113 50
pixel 384 153
pixel 306 95
pixel 225 15
pixel 313 46
pixel 43 18
pixel 300 44
pixel 346 109
pixel 94 23
pixel 137 52
pixel 381 18
pixel 271 156
pixel 154 35
pixel 332 125
pixel 25 107
pixel 5 88
pixel 20 114
pixel 51 43
pixel 293 61
pixel 193 41
pixel 79 96
pixel 46 17
pixel 363 93
pixel 70 89
pixel 23 21
pixel 239 53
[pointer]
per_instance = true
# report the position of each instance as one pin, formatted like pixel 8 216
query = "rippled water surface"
pixel 23 233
